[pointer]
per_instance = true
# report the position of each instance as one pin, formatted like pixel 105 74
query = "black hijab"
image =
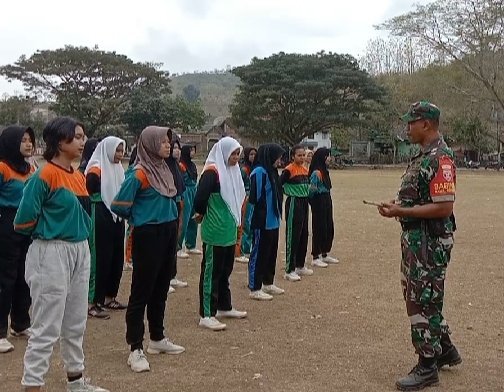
pixel 89 148
pixel 185 158
pixel 318 163
pixel 132 156
pixel 267 154
pixel 10 143
pixel 175 169
pixel 246 159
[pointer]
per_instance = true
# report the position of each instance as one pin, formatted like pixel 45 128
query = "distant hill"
pixel 217 90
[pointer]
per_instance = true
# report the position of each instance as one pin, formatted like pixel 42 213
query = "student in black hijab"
pixel 16 144
pixel 189 230
pixel 266 198
pixel 322 210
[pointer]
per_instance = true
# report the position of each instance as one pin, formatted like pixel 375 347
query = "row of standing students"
pixel 151 198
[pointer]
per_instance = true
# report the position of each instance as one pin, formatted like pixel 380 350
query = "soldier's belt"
pixel 413 225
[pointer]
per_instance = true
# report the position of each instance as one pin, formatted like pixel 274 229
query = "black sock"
pixel 74 378
pixel 136 347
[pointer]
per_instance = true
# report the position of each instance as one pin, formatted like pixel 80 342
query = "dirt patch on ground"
pixel 343 329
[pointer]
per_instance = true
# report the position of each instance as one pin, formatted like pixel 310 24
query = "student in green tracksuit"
pixel 296 186
pixel 218 205
pixel 189 228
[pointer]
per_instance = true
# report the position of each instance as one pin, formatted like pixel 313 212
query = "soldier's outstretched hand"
pixel 389 210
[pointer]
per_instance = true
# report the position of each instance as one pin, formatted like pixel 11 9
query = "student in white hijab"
pixel 104 177
pixel 218 204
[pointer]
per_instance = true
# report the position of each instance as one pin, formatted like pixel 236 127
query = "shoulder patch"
pixel 442 186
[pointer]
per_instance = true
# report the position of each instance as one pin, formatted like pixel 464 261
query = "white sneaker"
pixel 304 271
pixel 5 346
pixel 242 259
pixel 22 334
pixel 330 260
pixel 233 313
pixel 292 277
pixel 171 290
pixel 177 283
pixel 194 251
pixel 211 323
pixel 137 361
pixel 81 385
pixel 318 263
pixel 182 255
pixel 272 289
pixel 260 295
pixel 164 346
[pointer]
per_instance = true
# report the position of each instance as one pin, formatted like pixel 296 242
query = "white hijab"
pixel 112 174
pixel 232 189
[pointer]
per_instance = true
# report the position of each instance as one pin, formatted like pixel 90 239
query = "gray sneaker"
pixel 81 385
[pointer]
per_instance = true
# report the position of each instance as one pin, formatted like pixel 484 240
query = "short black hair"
pixel 58 130
pixel 294 149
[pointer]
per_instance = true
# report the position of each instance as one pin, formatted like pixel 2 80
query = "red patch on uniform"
pixel 443 183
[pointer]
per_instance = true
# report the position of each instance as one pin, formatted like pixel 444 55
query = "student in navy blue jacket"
pixel 266 200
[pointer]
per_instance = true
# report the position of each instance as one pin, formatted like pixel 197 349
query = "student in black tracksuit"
pixel 104 176
pixel 322 211
pixel 296 185
pixel 16 144
pixel 266 200
pixel 147 198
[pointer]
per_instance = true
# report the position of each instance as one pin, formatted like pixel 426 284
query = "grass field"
pixel 343 329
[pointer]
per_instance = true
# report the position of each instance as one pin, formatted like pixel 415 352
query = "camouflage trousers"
pixel 423 270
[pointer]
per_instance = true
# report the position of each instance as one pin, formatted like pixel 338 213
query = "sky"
pixel 191 35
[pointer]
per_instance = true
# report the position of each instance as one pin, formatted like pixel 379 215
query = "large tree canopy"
pixel 156 106
pixel 89 84
pixel 287 97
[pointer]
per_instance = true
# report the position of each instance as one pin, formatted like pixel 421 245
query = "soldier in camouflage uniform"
pixel 424 207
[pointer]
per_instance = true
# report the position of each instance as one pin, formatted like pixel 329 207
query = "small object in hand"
pixel 372 203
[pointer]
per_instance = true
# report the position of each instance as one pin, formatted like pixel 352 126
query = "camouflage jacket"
pixel 429 178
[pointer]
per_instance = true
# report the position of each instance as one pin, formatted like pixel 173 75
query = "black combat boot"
pixel 425 373
pixel 449 356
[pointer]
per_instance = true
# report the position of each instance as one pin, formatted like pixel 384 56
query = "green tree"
pixel 22 111
pixel 151 106
pixel 472 133
pixel 191 93
pixel 89 84
pixel 287 97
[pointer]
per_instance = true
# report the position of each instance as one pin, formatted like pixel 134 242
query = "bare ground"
pixel 343 329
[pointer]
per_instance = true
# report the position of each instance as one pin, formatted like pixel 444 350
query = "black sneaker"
pixel 420 377
pixel 450 357
pixel 97 312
